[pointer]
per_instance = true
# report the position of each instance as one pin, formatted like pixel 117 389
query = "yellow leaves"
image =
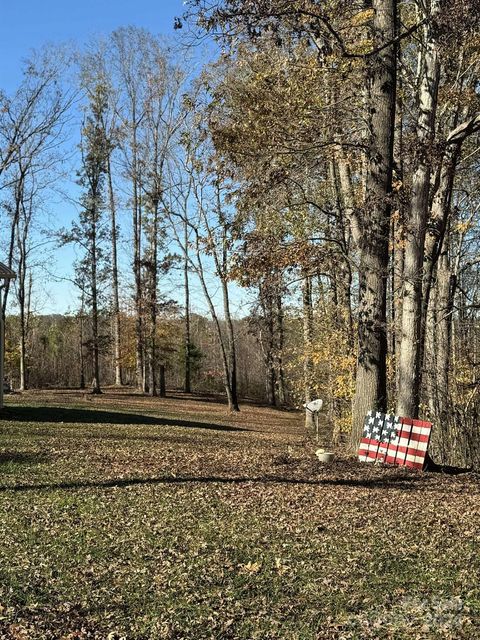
pixel 343 385
pixel 254 568
pixel 362 17
pixel 280 567
pixel 250 568
pixel 463 227
pixel 362 47
pixel 464 373
pixel 332 361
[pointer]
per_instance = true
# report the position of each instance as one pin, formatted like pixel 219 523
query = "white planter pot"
pixel 324 456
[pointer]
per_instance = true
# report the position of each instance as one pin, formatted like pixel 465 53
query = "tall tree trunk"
pixel 13 234
pixel 270 383
pixel 439 339
pixel 23 337
pixel 23 382
pixel 26 336
pixel 80 350
pixel 444 183
pixel 280 331
pixel 137 268
pixel 23 220
pixel 96 388
pixel 187 338
pixel 436 229
pixel 398 243
pixel 345 200
pixel 446 283
pixel 397 240
pixel 115 285
pixel 371 387
pixel 227 377
pixel 408 398
pixel 307 345
pixel 269 347
pixel 397 285
pixel 220 257
pixel 162 386
pixel 21 276
pixel 152 302
pixel 232 350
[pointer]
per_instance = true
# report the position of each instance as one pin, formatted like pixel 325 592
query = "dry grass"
pixel 171 518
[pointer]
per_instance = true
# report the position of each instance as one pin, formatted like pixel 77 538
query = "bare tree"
pixel 32 129
pixel 213 232
pixel 162 121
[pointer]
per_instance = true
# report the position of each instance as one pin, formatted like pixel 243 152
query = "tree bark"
pixel 115 285
pixel 446 282
pixel 80 350
pixel 162 389
pixel 343 194
pixel 268 345
pixel 281 386
pixel 227 377
pixel 21 236
pixel 409 373
pixel 187 339
pixel 137 271
pixel 439 339
pixel 397 284
pixel 151 292
pixel 436 230
pixel 307 345
pixel 371 387
pixel 232 351
pixel 96 388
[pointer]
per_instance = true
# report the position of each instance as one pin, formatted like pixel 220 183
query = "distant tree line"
pixel 59 355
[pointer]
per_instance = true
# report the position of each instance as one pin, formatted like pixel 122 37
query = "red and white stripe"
pixel 410 449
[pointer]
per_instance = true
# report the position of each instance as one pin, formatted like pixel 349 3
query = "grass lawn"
pixel 126 517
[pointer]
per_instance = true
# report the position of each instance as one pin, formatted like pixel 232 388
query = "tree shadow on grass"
pixel 64 415
pixel 446 469
pixel 23 457
pixel 404 483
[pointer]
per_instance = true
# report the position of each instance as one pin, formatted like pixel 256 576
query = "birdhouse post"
pixel 5 274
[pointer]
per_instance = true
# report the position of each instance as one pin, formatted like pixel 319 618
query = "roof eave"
pixel 6 273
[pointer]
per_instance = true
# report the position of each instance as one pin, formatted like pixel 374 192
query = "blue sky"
pixel 29 24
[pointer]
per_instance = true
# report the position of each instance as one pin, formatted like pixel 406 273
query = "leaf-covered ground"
pixel 123 517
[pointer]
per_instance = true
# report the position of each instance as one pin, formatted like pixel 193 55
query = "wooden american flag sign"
pixel 394 440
